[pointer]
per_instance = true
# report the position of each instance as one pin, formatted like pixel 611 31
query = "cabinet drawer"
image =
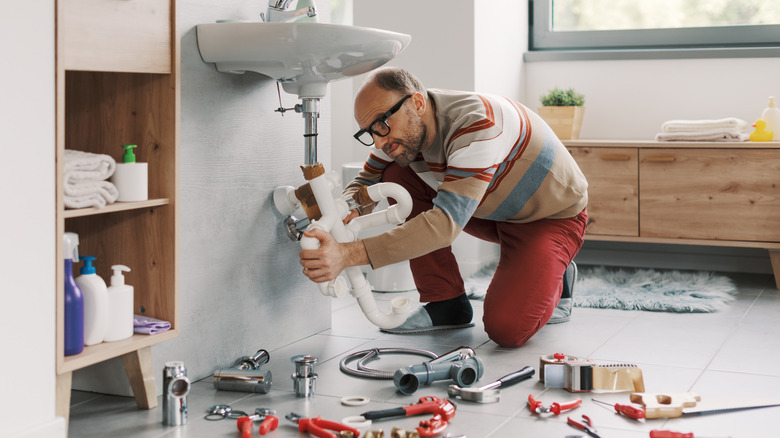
pixel 117 35
pixel 613 205
pixel 719 194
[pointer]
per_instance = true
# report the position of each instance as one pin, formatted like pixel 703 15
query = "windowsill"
pixel 605 55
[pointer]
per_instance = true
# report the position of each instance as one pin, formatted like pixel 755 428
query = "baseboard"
pixel 57 427
pixel 683 257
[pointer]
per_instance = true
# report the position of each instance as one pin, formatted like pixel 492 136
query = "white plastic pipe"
pixel 333 211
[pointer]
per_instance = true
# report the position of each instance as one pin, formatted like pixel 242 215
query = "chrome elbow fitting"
pixel 245 375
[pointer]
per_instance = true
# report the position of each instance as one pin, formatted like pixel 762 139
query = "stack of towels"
pixel 728 129
pixel 85 180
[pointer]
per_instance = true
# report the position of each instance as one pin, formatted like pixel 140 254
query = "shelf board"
pixel 108 350
pixel 117 206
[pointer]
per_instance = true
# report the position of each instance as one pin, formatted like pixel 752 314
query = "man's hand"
pixel 352 215
pixel 326 262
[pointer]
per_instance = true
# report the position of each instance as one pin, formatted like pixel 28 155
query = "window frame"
pixel 747 40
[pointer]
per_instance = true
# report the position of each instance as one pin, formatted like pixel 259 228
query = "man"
pixel 477 163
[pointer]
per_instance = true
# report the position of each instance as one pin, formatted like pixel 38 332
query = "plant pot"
pixel 565 121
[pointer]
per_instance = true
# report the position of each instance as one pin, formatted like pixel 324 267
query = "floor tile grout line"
pixel 725 340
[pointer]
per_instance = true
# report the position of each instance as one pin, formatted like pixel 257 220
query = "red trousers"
pixel 528 282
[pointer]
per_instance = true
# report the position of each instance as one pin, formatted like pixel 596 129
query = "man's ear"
pixel 419 102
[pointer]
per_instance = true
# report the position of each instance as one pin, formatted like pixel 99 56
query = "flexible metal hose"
pixel 366 356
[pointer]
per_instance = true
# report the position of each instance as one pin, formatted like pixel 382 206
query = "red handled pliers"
pixel 266 417
pixel 587 427
pixel 317 426
pixel 556 408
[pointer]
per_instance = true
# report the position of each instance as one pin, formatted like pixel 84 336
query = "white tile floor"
pixel 732 354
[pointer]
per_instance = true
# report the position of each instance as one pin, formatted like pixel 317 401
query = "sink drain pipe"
pixel 326 212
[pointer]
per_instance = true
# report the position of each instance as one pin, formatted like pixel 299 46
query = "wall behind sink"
pixel 240 283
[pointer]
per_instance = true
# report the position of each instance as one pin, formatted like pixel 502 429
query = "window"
pixel 580 25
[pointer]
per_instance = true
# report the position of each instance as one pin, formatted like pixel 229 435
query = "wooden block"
pixel 665 405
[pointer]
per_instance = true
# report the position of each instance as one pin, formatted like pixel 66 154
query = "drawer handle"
pixel 660 159
pixel 616 157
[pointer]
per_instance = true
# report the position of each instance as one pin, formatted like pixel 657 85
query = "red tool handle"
pixel 533 403
pixel 630 411
pixel 669 434
pixel 557 408
pixel 316 426
pixel 271 422
pixel 244 424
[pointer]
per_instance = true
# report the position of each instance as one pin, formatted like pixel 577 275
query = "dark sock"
pixel 566 292
pixel 453 311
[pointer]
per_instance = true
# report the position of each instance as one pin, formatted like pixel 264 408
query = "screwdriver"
pixel 670 434
pixel 629 411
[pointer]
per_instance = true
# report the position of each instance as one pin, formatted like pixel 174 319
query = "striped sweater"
pixel 492 158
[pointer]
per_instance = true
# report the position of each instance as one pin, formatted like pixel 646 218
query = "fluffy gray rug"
pixel 637 289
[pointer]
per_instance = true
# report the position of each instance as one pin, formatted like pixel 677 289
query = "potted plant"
pixel 563 111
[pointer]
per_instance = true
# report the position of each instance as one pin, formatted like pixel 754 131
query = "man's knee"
pixel 511 331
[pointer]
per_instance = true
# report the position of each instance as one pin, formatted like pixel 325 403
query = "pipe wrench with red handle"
pixel 443 410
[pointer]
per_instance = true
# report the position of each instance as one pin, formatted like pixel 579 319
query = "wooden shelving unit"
pixel 117 76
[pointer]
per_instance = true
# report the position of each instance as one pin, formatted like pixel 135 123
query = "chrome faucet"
pixel 279 11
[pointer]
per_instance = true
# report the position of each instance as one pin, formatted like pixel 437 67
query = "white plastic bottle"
pixel 95 302
pixel 120 306
pixel 131 178
pixel 771 116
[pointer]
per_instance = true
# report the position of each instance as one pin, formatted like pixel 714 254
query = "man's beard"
pixel 412 144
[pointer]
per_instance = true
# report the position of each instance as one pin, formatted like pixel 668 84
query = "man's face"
pixel 407 131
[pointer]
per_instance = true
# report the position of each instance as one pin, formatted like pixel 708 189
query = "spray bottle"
pixel 95 302
pixel 771 116
pixel 120 306
pixel 131 178
pixel 74 300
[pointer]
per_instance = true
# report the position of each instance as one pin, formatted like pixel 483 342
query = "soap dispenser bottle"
pixel 74 300
pixel 120 306
pixel 771 116
pixel 95 302
pixel 131 178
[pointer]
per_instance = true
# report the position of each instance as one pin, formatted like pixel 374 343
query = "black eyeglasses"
pixel 379 126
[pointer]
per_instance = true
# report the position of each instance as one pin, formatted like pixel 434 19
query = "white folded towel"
pixel 85 180
pixel 714 135
pixel 90 194
pixel 85 166
pixel 728 124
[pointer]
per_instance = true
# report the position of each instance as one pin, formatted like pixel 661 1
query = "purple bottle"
pixel 74 300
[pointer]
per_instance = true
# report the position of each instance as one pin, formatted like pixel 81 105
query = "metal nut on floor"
pixel 374 434
pixel 397 432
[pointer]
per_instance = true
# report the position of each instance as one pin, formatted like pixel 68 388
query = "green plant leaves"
pixel 558 97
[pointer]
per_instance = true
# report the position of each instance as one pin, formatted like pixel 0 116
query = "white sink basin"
pixel 304 57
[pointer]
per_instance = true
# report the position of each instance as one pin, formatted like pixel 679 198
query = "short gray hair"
pixel 396 79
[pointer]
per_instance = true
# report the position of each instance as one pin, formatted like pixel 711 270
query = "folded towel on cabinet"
pixel 145 325
pixel 728 124
pixel 90 194
pixel 716 135
pixel 85 166
pixel 85 177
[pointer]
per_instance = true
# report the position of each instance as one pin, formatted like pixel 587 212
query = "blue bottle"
pixel 74 300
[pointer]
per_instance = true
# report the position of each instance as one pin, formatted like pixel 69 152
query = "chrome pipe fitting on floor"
pixel 304 378
pixel 176 386
pixel 245 375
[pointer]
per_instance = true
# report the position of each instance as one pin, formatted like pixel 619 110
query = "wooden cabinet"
pixel 719 194
pixel 118 83
pixel 116 35
pixel 613 178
